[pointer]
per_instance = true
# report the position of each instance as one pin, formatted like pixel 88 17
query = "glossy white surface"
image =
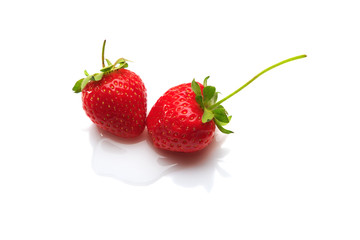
pixel 290 171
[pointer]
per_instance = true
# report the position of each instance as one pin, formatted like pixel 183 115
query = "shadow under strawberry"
pixel 137 162
pixel 198 168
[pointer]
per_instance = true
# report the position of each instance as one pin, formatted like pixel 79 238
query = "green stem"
pixel 103 54
pixel 250 81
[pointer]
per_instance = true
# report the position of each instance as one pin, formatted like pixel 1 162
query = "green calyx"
pixel 213 110
pixel 206 100
pixel 120 63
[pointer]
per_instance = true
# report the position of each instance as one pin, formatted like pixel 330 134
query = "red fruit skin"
pixel 174 122
pixel 117 103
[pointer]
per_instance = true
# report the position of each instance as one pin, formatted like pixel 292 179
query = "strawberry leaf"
pixel 207 116
pixel 107 69
pixel 196 88
pixel 221 106
pixel 108 62
pixel 222 123
pixel 205 81
pixel 121 65
pixel 199 100
pixel 209 92
pixel 98 76
pixel 213 99
pixel 221 128
pixel 85 81
pixel 220 115
pixel 77 86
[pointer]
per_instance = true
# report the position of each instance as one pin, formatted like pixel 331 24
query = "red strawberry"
pixel 174 123
pixel 115 99
pixel 184 118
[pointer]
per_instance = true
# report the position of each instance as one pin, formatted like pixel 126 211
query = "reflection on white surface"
pixel 137 162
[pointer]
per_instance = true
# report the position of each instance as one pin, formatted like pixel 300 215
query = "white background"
pixel 290 170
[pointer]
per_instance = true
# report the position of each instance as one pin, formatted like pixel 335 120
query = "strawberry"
pixel 114 99
pixel 184 118
pixel 174 123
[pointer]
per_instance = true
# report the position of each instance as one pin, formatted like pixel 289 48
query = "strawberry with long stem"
pixel 184 118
